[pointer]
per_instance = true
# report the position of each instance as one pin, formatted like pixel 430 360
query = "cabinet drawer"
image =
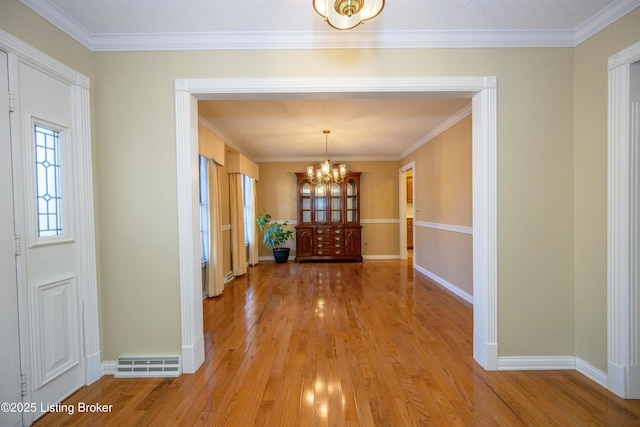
pixel 328 231
pixel 328 239
pixel 329 245
pixel 329 251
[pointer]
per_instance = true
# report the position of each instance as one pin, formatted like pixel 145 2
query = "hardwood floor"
pixel 345 345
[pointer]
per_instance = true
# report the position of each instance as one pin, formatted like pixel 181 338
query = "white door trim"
pixel 84 215
pixel 623 223
pixel 484 92
pixel 402 208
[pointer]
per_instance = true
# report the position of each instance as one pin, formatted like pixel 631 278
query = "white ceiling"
pixel 267 24
pixel 361 129
pixel 371 128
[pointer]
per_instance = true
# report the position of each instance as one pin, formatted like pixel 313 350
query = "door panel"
pixel 10 384
pixel 55 334
pixel 50 318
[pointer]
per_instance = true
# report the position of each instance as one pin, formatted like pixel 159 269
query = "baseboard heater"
pixel 148 366
pixel 228 277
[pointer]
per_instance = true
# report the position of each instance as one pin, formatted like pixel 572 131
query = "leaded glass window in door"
pixel 48 185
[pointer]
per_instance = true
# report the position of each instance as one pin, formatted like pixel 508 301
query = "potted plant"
pixel 275 236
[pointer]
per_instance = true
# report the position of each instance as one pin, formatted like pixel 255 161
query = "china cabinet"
pixel 329 220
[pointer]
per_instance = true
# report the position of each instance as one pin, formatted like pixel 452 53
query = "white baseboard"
pixel 553 363
pixel 93 368
pixel 591 372
pixel 270 258
pixel 193 356
pixel 376 257
pixel 109 367
pixel 445 284
pixel 537 363
pixel 485 353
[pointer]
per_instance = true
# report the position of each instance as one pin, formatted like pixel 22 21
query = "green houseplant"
pixel 275 235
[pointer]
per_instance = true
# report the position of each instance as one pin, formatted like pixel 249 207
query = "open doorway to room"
pixel 482 91
pixel 405 209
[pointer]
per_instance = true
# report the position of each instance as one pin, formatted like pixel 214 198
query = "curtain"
pixel 215 279
pixel 238 251
pixel 253 225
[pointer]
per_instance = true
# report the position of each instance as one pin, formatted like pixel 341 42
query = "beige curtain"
pixel 238 251
pixel 253 239
pixel 215 279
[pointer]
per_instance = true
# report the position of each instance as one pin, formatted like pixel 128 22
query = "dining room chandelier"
pixel 325 172
pixel 346 14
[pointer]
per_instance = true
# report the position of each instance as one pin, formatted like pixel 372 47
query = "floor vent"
pixel 148 366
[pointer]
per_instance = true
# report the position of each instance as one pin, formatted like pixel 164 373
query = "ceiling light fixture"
pixel 324 173
pixel 346 14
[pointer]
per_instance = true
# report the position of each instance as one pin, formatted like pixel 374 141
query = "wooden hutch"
pixel 329 220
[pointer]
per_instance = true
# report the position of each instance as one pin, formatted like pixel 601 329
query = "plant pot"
pixel 281 255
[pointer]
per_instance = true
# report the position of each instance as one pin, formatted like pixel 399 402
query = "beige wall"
pixel 590 157
pixel 19 21
pixel 276 194
pixel 442 195
pixel 551 180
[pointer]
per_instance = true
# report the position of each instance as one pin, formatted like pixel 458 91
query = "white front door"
pixel 53 361
pixel 10 389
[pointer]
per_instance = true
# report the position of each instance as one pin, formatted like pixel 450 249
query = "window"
pixel 247 205
pixel 204 208
pixel 48 185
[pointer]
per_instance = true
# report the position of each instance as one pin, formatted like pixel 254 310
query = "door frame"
pixel 402 208
pixel 623 224
pixel 482 90
pixel 21 52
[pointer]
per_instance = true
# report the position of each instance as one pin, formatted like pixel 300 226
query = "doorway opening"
pixel 405 209
pixel 483 92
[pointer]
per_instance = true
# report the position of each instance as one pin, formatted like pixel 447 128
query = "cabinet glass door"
pixel 305 202
pixel 352 201
pixel 320 207
pixel 336 203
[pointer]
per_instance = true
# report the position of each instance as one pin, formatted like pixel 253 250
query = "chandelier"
pixel 324 173
pixel 346 14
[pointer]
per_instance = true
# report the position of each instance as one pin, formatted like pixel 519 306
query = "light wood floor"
pixel 367 344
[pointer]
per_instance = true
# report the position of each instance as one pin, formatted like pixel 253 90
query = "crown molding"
pixel 332 40
pixel 60 19
pixel 464 112
pixel 104 42
pixel 206 123
pixel 604 18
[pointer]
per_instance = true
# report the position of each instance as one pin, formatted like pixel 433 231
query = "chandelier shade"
pixel 346 14
pixel 325 172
